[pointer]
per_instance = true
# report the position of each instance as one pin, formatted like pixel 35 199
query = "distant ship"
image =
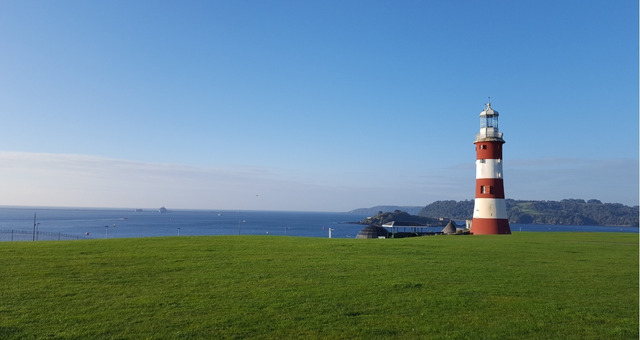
pixel 163 210
pixel 138 210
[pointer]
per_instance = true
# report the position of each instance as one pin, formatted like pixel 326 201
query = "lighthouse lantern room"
pixel 489 211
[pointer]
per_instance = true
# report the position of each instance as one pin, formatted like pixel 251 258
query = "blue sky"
pixel 313 105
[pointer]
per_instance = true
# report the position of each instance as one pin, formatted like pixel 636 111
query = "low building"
pixel 450 228
pixel 373 231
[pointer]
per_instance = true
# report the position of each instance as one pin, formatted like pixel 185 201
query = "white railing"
pixel 488 133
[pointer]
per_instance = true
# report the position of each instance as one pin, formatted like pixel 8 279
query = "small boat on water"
pixel 163 210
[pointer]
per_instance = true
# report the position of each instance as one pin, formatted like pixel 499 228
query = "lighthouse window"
pixel 483 122
pixel 488 121
pixel 486 189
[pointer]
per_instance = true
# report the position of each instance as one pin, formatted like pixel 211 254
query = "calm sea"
pixel 18 223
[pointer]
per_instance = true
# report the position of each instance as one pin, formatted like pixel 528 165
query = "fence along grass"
pixel 23 235
pixel 526 285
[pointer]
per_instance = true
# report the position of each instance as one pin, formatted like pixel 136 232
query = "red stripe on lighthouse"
pixel 488 150
pixel 489 188
pixel 490 226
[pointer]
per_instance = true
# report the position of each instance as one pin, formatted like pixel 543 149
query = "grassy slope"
pixel 526 285
pixel 527 208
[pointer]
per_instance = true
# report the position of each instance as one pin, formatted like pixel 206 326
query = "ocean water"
pixel 120 223
pixel 65 223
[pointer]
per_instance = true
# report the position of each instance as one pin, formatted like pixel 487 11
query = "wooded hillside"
pixel 565 212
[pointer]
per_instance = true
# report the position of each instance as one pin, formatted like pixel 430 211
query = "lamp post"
pixel 34 226
pixel 240 221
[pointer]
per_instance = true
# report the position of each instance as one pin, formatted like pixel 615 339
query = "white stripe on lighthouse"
pixel 488 168
pixel 495 208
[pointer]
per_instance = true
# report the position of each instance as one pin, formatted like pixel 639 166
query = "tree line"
pixel 564 212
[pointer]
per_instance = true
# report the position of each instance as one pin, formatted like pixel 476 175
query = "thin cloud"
pixel 90 181
pixel 611 180
pixel 81 180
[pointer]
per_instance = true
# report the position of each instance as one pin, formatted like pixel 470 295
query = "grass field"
pixel 521 286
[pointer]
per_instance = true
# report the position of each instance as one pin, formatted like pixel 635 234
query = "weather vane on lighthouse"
pixel 490 210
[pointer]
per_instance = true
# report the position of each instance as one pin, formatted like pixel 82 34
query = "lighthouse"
pixel 490 210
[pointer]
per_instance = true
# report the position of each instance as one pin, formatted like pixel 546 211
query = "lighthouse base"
pixel 490 226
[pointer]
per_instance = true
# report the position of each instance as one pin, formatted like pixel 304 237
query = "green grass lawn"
pixel 520 286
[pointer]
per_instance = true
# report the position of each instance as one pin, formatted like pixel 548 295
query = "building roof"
pixel 450 228
pixel 373 231
pixel 488 111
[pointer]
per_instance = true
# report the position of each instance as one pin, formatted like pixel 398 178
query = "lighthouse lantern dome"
pixel 489 117
pixel 489 125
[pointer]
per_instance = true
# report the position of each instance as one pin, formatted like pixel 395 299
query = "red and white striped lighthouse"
pixel 490 210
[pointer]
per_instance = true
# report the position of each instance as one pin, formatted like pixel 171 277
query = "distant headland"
pixel 565 212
